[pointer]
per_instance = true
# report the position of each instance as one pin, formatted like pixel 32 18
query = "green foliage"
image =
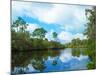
pixel 91 34
pixel 91 24
pixel 54 34
pixel 91 65
pixel 77 43
pixel 24 40
pixel 76 52
pixel 19 24
pixel 39 33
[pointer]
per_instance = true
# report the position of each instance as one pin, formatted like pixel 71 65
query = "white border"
pixel 5 38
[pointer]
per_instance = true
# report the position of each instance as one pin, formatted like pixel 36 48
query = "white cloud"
pixel 49 35
pixel 32 27
pixel 34 10
pixel 51 13
pixel 67 27
pixel 20 9
pixel 61 14
pixel 65 37
pixel 79 35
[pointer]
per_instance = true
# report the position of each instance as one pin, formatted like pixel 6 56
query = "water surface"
pixel 49 60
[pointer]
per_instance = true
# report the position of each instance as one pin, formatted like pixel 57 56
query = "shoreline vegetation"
pixel 23 40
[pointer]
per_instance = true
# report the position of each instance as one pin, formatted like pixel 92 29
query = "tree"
pixel 39 33
pixel 20 37
pixel 54 35
pixel 91 24
pixel 19 24
pixel 91 34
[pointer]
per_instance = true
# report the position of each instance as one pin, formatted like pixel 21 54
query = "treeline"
pixel 77 43
pixel 24 40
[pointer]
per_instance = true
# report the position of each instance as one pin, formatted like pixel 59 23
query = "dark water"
pixel 49 60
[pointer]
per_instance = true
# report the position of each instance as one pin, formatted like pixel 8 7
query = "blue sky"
pixel 67 20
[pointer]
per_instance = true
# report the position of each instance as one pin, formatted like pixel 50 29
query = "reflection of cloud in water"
pixel 81 57
pixel 65 61
pixel 30 68
pixel 66 56
pixel 73 62
pixel 51 58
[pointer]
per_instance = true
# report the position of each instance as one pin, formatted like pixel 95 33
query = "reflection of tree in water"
pixel 39 65
pixel 53 53
pixel 36 58
pixel 39 60
pixel 78 51
pixel 54 62
pixel 20 59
